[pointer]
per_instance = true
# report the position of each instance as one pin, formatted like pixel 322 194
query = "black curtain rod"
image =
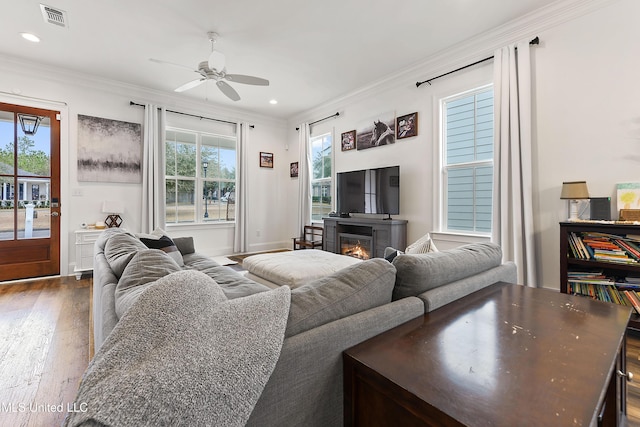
pixel 191 115
pixel 418 84
pixel 318 121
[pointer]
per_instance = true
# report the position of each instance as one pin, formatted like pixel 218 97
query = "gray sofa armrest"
pixel 104 309
pixel 306 386
pixel 437 297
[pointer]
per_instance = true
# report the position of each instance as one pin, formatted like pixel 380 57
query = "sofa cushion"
pixel 391 253
pixel 417 273
pixel 233 284
pixel 119 249
pixel 351 290
pixel 185 245
pixel 158 239
pixel 146 266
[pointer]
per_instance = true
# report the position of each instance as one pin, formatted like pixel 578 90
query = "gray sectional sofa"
pixel 326 316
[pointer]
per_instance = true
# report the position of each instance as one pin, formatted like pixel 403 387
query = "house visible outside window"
pixel 468 161
pixel 321 176
pixel 200 177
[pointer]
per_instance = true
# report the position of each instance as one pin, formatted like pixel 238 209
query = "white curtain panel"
pixel 304 178
pixel 153 186
pixel 240 234
pixel 513 213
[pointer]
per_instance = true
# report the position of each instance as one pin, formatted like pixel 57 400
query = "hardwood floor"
pixel 44 349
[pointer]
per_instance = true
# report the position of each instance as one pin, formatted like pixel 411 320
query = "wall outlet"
pixel 76 192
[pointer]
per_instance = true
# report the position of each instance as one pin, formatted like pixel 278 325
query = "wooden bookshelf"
pixel 572 263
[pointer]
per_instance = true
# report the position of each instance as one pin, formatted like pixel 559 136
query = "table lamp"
pixel 574 191
pixel 113 209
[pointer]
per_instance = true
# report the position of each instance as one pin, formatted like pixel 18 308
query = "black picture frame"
pixel 407 126
pixel 266 160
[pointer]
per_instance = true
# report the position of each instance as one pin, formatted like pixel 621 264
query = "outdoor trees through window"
pixel 199 164
pixel 322 173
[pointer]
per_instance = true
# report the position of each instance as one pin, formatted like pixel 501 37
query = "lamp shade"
pixel 112 207
pixel 574 190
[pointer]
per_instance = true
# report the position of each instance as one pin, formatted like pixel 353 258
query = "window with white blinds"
pixel 468 161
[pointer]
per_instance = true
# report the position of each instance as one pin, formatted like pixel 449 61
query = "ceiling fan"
pixel 214 69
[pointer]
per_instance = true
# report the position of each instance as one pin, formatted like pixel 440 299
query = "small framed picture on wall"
pixel 348 140
pixel 293 170
pixel 266 160
pixel 407 126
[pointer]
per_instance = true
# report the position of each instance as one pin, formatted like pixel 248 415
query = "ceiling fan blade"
pixel 190 85
pixel 247 80
pixel 158 61
pixel 228 90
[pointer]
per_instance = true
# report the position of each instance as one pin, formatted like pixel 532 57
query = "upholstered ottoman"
pixel 294 268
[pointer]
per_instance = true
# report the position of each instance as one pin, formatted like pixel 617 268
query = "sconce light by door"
pixel 29 123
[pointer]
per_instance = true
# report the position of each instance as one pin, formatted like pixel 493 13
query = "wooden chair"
pixel 311 238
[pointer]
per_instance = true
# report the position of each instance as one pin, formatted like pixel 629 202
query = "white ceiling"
pixel 311 52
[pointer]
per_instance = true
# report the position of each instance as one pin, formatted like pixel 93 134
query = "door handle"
pixel 55 214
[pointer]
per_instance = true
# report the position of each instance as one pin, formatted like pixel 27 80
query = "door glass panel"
pixel 6 208
pixel 6 176
pixel 6 143
pixel 34 182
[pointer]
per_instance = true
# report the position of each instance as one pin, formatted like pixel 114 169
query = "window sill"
pixel 201 225
pixel 462 238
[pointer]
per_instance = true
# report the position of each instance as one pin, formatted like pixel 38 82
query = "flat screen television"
pixel 369 191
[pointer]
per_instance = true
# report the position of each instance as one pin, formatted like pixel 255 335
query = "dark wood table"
pixel 506 355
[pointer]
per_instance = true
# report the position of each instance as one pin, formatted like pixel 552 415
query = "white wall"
pixel 586 116
pixel 81 202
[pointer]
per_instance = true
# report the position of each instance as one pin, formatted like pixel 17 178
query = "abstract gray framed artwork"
pixel 109 150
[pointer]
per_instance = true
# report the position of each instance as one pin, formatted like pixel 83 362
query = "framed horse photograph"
pixel 377 131
pixel 407 126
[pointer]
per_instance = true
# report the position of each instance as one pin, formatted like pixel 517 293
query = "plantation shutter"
pixel 469 162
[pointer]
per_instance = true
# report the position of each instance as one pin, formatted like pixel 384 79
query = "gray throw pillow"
pixel 146 266
pixel 351 290
pixel 185 245
pixel 417 273
pixel 119 249
pixel 158 239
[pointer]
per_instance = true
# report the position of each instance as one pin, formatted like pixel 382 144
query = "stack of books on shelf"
pixel 596 285
pixel 605 247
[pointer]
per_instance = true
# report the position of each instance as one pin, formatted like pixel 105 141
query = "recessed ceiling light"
pixel 30 37
pixel 273 102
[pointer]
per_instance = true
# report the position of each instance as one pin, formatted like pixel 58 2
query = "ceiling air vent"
pixel 54 16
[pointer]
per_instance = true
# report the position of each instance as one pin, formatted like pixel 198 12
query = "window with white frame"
pixel 321 175
pixel 200 177
pixel 467 142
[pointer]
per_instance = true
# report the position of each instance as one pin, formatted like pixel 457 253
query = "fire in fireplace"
pixel 356 246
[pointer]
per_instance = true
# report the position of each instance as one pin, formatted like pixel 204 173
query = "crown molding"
pixel 468 51
pixel 135 93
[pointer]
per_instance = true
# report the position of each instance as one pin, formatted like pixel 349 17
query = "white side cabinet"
pixel 85 240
